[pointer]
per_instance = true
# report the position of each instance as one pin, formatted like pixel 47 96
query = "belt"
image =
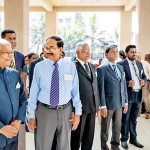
pixel 60 107
pixel 136 90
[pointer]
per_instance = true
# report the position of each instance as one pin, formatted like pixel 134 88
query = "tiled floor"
pixel 143 131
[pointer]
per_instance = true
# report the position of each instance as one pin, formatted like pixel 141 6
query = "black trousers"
pixel 11 146
pixel 129 120
pixel 84 134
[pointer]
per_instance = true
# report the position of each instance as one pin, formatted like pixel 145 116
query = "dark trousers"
pixel 11 146
pixel 129 120
pixel 114 115
pixel 84 134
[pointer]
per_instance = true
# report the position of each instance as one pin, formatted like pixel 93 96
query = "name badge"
pixel 67 77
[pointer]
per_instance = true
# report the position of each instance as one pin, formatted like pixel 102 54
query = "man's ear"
pixel 106 55
pixel 61 49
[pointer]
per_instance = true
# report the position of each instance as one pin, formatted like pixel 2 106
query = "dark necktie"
pixel 115 70
pixel 136 71
pixel 54 93
pixel 87 69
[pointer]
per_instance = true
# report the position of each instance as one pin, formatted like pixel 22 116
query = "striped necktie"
pixel 54 92
pixel 115 70
pixel 136 70
pixel 12 63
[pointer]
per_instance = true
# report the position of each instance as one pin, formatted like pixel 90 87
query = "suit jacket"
pixel 31 69
pixel 15 90
pixel 88 89
pixel 125 64
pixel 19 60
pixel 113 93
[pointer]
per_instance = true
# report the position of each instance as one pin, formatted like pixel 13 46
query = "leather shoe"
pixel 147 116
pixel 136 143
pixel 117 148
pixel 124 145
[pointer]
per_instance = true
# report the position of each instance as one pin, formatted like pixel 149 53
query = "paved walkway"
pixel 143 131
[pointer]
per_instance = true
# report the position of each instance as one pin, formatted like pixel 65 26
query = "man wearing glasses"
pixel 53 91
pixel 89 95
pixel 12 100
pixel 113 97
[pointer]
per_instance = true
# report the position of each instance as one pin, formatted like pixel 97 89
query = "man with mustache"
pixel 54 88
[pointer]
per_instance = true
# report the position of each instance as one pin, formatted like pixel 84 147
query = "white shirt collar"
pixel 82 62
pixel 44 58
pixel 129 61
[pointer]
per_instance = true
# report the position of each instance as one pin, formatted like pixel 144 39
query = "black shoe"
pixel 136 143
pixel 124 145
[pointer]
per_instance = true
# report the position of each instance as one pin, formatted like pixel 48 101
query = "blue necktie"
pixel 115 70
pixel 54 93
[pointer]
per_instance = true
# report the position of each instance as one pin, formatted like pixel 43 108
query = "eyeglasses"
pixel 114 52
pixel 8 53
pixel 50 49
pixel 85 51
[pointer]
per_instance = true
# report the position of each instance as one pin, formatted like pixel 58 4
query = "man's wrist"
pixel 19 121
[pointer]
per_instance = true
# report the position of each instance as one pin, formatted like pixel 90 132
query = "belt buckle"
pixel 59 107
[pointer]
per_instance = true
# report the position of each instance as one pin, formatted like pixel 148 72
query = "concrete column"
pixel 125 29
pixel 16 14
pixel 143 11
pixel 50 24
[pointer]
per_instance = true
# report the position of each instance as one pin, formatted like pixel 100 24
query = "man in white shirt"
pixel 135 80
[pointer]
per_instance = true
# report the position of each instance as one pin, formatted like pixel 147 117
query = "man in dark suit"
pixel 18 59
pixel 113 96
pixel 12 100
pixel 135 80
pixel 89 96
pixel 17 63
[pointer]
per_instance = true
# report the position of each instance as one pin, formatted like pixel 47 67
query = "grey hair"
pixel 4 42
pixel 80 45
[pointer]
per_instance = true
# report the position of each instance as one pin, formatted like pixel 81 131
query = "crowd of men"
pixel 64 97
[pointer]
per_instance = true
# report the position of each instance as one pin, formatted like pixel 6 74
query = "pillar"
pixel 143 11
pixel 16 14
pixel 51 25
pixel 125 29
